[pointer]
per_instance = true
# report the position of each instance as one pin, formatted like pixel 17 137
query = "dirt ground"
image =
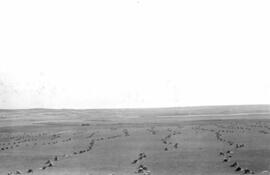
pixel 106 142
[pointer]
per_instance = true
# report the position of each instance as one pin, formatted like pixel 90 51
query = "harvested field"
pixel 169 141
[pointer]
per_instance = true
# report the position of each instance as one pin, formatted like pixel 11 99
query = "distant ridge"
pixel 170 114
pixel 190 110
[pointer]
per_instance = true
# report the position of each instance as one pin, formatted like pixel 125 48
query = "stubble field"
pixel 170 141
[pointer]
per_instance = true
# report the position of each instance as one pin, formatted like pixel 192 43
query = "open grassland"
pixel 168 141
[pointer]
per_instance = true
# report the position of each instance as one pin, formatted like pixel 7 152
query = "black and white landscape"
pixel 181 141
pixel 134 87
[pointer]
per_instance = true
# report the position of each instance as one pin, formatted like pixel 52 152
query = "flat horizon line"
pixel 142 108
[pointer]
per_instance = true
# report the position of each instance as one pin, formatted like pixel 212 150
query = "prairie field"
pixel 213 140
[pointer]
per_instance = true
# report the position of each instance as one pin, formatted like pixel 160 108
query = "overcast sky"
pixel 133 53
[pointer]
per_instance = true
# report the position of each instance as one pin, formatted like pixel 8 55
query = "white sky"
pixel 133 53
